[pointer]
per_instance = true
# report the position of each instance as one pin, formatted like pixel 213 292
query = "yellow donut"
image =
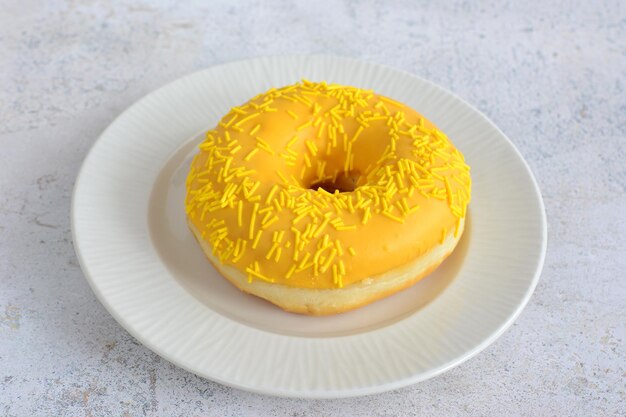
pixel 322 198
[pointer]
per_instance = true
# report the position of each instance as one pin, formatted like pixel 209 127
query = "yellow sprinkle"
pixel 258 275
pixel 299 217
pixel 235 149
pixel 230 121
pixel 292 114
pixel 271 251
pixel 448 191
pixel 442 155
pixel 392 217
pixel 227 166
pixel 321 228
pixel 329 260
pixel 352 251
pixel 242 250
pixel 339 247
pixel 245 173
pixel 255 208
pixel 255 129
pixel 264 146
pixel 305 234
pixel 245 119
pixel 287 157
pixel 366 215
pixel 350 206
pixel 321 129
pixel 439 193
pixel 405 205
pixel 291 271
pixel 443 236
pixel 292 141
pixel 422 170
pixel 266 217
pixel 262 142
pixel 400 207
pixel 240 213
pixel 252 189
pixel 286 97
pixel 351 227
pixel 342 267
pixel 250 154
pixel 346 166
pixel 271 194
pixel 256 239
pixel 237 247
pixel 318 255
pixel 304 125
pixel 312 147
pixel 321 165
pixel 385 203
pixel 307 255
pixel 238 110
pixel 413 209
pixel 323 191
pixel 304 100
pixel 282 177
pixel 336 222
pixel 381 105
pixel 267 103
pixel 307 161
pixel 270 222
pixel 356 135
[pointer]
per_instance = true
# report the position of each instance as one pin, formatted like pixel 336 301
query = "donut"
pixel 322 198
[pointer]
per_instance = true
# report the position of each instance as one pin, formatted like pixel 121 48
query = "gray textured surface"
pixel 552 76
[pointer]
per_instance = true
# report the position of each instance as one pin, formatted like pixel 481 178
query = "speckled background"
pixel 552 75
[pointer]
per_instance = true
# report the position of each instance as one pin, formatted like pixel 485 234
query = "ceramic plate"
pixel 145 267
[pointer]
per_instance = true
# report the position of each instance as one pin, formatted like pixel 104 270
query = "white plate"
pixel 147 270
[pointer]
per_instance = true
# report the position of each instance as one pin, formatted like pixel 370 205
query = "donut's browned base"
pixel 319 302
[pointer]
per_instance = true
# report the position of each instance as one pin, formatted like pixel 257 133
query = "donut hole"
pixel 344 182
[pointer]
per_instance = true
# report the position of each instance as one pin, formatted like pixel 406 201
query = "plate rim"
pixel 323 393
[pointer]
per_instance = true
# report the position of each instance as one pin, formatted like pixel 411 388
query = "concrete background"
pixel 551 75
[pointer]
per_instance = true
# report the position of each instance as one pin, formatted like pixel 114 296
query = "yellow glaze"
pixel 249 190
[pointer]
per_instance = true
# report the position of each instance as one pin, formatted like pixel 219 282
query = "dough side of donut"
pixel 319 302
